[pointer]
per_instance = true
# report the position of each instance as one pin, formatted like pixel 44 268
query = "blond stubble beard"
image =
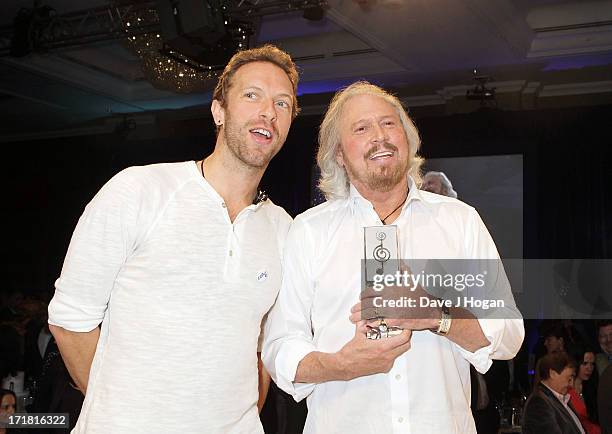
pixel 235 139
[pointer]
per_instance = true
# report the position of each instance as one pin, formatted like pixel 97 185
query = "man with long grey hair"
pixel 438 182
pixel 416 379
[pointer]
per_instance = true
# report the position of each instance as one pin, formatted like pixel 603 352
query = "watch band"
pixel 444 324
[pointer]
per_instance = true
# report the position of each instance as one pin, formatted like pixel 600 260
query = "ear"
pixel 218 112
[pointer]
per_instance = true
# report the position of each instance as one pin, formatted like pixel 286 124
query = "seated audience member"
pixel 9 302
pixel 583 395
pixel 36 337
pixel 56 391
pixel 554 336
pixel 8 403
pixel 438 182
pixel 11 358
pixel 547 409
pixel 604 401
pixel 604 336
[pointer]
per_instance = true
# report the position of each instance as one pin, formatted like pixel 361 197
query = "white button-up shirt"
pixel 428 388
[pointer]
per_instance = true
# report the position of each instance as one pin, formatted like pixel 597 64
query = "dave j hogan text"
pixel 416 302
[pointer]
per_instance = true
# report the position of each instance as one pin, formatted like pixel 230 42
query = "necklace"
pixel 261 195
pixel 398 207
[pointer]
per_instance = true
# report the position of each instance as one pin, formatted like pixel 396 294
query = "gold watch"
pixel 444 324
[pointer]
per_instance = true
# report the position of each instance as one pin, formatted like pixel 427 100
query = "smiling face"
pixel 373 145
pixel 257 114
pixel 605 338
pixel 7 406
pixel 561 382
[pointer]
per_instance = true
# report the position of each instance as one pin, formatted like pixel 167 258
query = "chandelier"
pixel 168 69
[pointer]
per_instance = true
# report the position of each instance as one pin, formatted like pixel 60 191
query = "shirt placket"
pixel 399 396
pixel 232 252
pixel 234 249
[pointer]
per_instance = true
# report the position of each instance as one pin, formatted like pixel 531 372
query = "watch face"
pixel 445 323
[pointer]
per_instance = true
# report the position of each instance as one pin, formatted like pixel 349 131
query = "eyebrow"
pixel 367 120
pixel 360 121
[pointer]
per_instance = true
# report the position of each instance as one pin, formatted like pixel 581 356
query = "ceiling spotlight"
pixel 480 92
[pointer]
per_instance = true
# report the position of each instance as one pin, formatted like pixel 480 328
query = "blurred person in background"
pixel 8 403
pixel 547 410
pixel 604 337
pixel 604 401
pixel 438 182
pixel 583 394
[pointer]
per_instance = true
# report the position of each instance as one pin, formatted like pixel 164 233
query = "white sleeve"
pixel 282 223
pixel 103 239
pixel 288 330
pixel 505 332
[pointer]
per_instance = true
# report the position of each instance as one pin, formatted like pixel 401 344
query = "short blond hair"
pixel 266 53
pixel 334 182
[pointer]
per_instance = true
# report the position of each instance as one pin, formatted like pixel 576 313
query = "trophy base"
pixel 382 330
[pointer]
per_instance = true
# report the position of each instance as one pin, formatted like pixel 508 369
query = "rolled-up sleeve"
pixel 288 330
pixel 102 240
pixel 506 331
pixel 505 337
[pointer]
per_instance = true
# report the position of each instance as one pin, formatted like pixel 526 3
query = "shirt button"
pixel 231 253
pixel 400 419
pixel 398 377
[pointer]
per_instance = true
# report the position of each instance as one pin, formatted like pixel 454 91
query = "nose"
pixel 268 110
pixel 379 135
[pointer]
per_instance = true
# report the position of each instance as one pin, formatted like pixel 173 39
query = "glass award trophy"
pixel 381 254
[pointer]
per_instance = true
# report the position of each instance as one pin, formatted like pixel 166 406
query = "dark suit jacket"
pixel 604 398
pixel 544 414
pixel 55 394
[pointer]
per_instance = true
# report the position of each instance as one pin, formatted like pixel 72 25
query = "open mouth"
pixel 381 155
pixel 262 132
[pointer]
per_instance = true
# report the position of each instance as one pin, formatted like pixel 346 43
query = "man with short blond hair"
pixel 178 264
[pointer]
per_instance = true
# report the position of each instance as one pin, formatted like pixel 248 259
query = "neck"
pixel 547 384
pixel 578 384
pixel 384 202
pixel 235 182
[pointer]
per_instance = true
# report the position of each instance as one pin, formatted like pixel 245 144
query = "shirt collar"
pixel 355 198
pixel 562 398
